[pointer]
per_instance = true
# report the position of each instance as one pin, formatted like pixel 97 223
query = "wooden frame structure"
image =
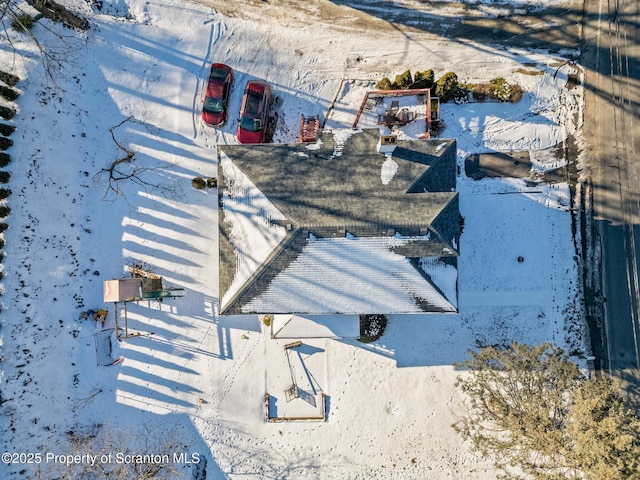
pixel 432 105
pixel 321 417
pixel 135 289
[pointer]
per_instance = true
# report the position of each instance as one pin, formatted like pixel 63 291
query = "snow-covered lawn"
pixel 200 379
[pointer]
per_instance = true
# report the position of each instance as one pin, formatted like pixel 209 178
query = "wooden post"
pixel 115 316
pixel 126 322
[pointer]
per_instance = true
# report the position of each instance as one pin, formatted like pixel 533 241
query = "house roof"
pixel 298 209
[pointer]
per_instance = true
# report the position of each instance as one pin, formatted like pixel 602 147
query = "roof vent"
pixel 387 143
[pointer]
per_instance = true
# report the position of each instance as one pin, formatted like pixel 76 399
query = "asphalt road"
pixel 611 57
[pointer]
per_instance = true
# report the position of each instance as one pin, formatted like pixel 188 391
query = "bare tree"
pixel 107 453
pixel 124 168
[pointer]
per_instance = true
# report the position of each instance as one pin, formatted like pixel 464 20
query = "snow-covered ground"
pixel 199 380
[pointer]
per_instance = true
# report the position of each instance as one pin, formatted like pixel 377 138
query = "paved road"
pixel 612 59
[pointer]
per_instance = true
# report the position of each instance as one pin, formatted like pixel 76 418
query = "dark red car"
pixel 254 112
pixel 214 108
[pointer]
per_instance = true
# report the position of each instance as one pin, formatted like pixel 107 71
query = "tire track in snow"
pixel 218 29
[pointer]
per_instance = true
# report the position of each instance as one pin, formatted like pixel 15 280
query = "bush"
pixel 266 320
pixel 7 113
pixel 372 327
pixel 481 92
pixel 198 183
pixel 22 22
pixel 4 211
pixel 500 89
pixel 9 93
pixel 446 87
pixel 212 182
pixel 461 94
pixel 7 130
pixel 5 159
pixel 497 89
pixel 5 143
pixel 4 177
pixel 423 79
pixel 3 226
pixel 4 193
pixel 516 93
pixel 437 127
pixel 403 81
pixel 9 78
pixel 384 84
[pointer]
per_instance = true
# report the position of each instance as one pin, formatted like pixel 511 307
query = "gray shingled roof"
pixel 334 187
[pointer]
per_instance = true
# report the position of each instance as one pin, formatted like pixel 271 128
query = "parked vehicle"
pixel 254 112
pixel 214 108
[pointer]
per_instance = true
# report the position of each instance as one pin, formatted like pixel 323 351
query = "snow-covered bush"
pixel 372 327
pixel 9 78
pixel 9 93
pixel 461 94
pixel 500 89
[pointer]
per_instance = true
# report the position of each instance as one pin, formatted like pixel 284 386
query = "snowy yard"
pixel 200 379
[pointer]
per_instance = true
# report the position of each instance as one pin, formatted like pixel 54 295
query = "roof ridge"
pixel 427 278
